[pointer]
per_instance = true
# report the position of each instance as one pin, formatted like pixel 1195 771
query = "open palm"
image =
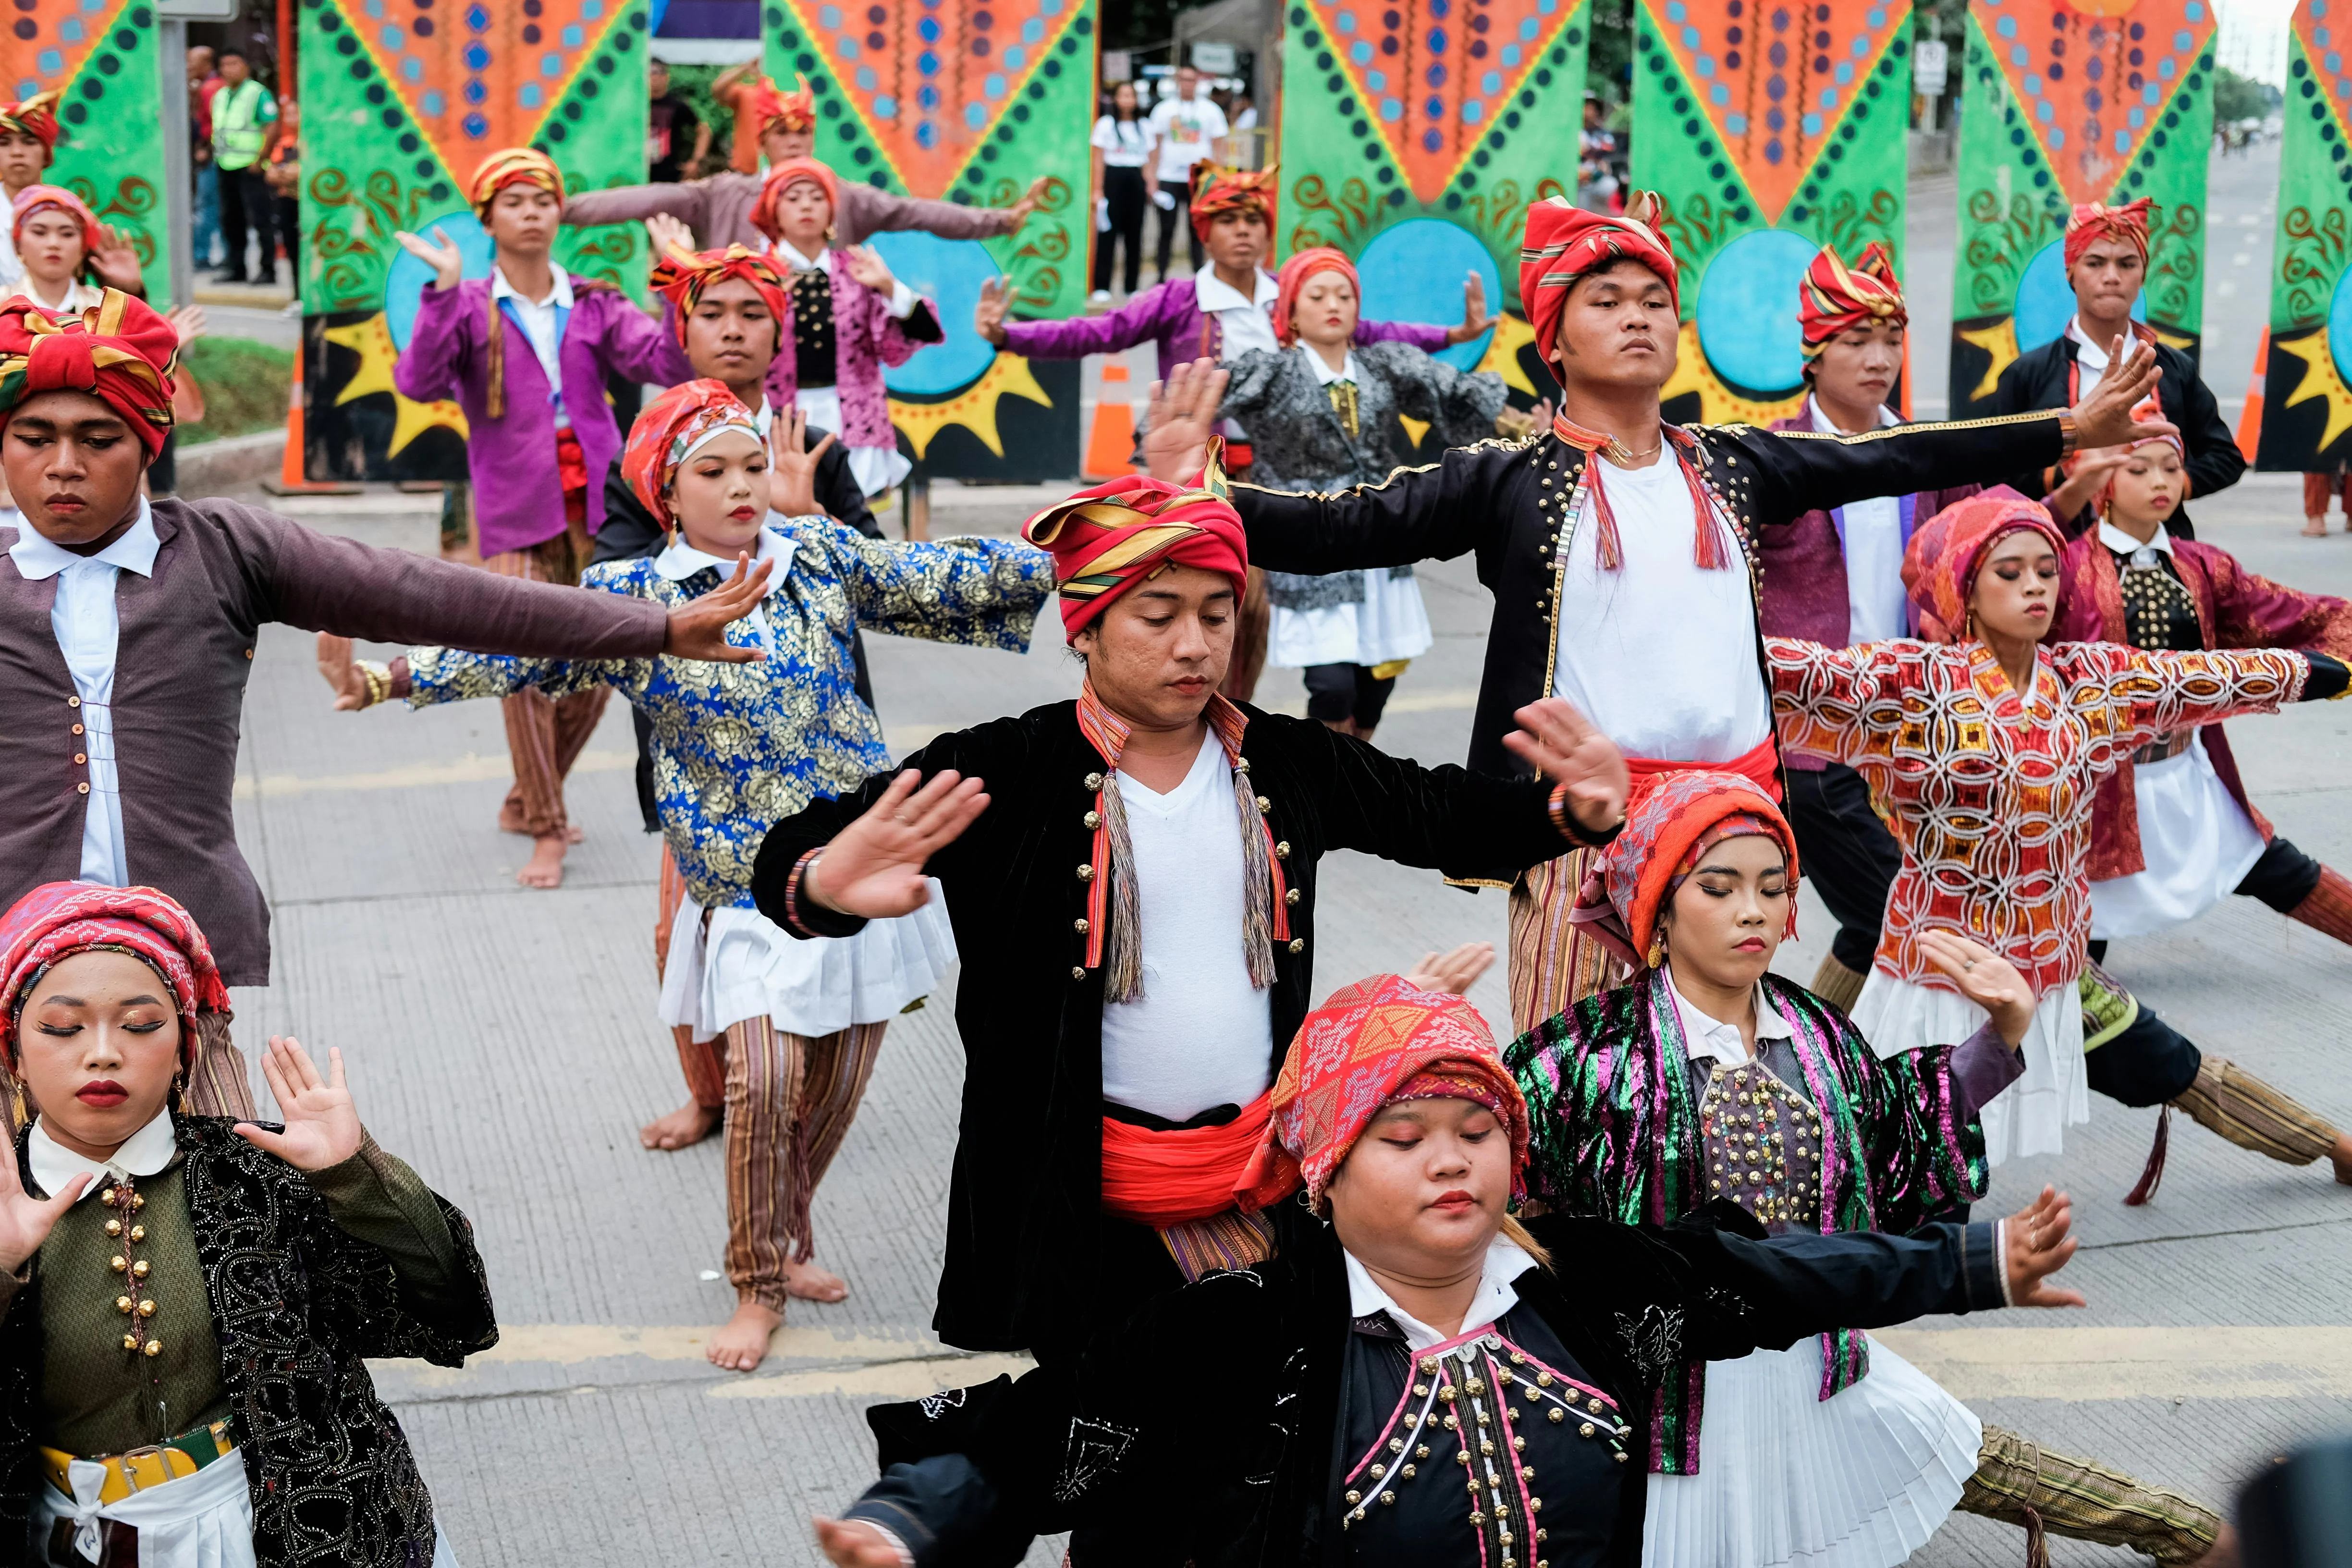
pixel 25 1221
pixel 322 1125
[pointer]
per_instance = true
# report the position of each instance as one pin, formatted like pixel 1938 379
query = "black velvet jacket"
pixel 1208 1427
pixel 1507 500
pixel 297 1304
pixel 1026 1236
pixel 2039 380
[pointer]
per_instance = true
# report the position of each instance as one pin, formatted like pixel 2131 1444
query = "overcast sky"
pixel 2253 37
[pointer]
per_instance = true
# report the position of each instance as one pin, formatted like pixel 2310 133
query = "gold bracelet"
pixel 2067 436
pixel 379 680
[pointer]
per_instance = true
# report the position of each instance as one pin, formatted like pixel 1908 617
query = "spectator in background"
pixel 1182 127
pixel 670 124
pixel 243 112
pixel 285 177
pixel 203 82
pixel 735 90
pixel 1596 170
pixel 1244 114
pixel 2317 486
pixel 1122 149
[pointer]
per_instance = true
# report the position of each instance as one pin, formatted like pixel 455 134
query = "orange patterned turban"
pixel 118 351
pixel 1835 298
pixel 1109 537
pixel 1564 242
pixel 513 166
pixel 1217 189
pixel 2093 221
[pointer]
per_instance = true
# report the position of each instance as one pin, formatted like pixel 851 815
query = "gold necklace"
pixel 1618 453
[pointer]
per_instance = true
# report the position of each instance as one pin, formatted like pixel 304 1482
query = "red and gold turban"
pixel 513 166
pixel 1939 568
pixel 42 198
pixel 1369 1045
pixel 36 117
pixel 774 109
pixel 1564 242
pixel 118 351
pixel 58 920
pixel 1218 189
pixel 672 427
pixel 1835 298
pixel 683 277
pixel 1670 823
pixel 1109 537
pixel 783 177
pixel 1293 277
pixel 2093 221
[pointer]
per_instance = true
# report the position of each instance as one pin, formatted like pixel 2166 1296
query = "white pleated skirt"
pixel 876 468
pixel 1858 1480
pixel 740 964
pixel 2031 1115
pixel 1390 624
pixel 2197 842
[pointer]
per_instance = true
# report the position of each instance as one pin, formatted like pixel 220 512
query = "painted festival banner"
pixel 2105 101
pixel 964 101
pixel 98 56
pixel 2307 393
pixel 401 101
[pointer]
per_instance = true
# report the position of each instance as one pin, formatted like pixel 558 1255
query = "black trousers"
pixel 1847 853
pixel 1176 218
pixel 2283 878
pixel 1126 195
pixel 246 202
pixel 2147 1064
pixel 288 211
pixel 1337 693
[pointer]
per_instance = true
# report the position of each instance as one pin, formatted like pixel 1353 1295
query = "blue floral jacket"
pixel 738 747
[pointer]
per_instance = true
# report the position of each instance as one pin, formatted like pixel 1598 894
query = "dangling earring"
pixel 829 234
pixel 17 1095
pixel 180 1093
pixel 1658 948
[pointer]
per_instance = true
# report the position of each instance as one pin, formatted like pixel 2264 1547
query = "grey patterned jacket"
pixel 1298 443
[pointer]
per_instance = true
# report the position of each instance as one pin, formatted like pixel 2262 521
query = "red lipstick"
pixel 101 1094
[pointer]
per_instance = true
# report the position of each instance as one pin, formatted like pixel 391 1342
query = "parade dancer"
pixel 1617 584
pixel 1325 418
pixel 1331 1405
pixel 533 415
pixel 719 209
pixel 1986 747
pixel 124 618
pixel 1835 576
pixel 850 317
pixel 1134 899
pixel 65 256
pixel 1708 1077
pixel 2106 263
pixel 736 747
pixel 28 144
pixel 187 1299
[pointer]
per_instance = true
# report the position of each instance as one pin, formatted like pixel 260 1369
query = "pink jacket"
pixel 865 337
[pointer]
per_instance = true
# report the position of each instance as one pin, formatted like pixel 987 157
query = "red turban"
pixel 1678 818
pixel 57 919
pixel 772 110
pixel 1369 1045
pixel 1109 537
pixel 1565 242
pixel 684 277
pixel 667 433
pixel 1835 298
pixel 1217 189
pixel 36 117
pixel 118 351
pixel 784 176
pixel 2093 221
pixel 1293 277
pixel 1939 568
pixel 513 166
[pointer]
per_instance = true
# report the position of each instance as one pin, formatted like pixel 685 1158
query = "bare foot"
pixel 574 834
pixel 2315 528
pixel 546 868
pixel 810 1283
pixel 2225 1551
pixel 682 1129
pixel 742 1342
pixel 2341 1158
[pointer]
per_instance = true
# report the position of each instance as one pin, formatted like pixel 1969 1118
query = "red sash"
pixel 1164 1178
pixel 1760 767
pixel 571 469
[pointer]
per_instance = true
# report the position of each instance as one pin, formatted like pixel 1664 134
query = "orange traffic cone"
pixel 1112 440
pixel 2250 421
pixel 291 479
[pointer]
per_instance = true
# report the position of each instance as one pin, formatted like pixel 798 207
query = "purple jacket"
pixel 1803 588
pixel 1170 314
pixel 719 210
pixel 516 502
pixel 865 337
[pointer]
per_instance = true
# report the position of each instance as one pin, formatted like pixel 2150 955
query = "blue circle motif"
pixel 1747 310
pixel 947 272
pixel 405 280
pixel 1413 272
pixel 2340 327
pixel 2045 300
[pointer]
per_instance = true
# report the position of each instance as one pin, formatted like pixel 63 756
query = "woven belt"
pixel 144 1469
pixel 2165 749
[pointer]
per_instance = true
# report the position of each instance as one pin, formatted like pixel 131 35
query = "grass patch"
pixel 246 385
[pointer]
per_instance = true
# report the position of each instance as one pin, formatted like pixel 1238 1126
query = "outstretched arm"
pixel 868 211
pixel 981 593
pixel 688 201
pixel 1841 703
pixel 2157 693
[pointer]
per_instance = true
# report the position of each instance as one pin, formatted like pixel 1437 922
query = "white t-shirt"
pixel 1876 606
pixel 1184 127
pixel 1201 1034
pixel 1660 653
pixel 1125 143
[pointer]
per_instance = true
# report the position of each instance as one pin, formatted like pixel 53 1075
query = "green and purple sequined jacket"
pixel 1614 1102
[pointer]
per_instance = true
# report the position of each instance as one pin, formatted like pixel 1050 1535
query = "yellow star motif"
pixel 2322 380
pixel 1503 354
pixel 974 409
pixel 1718 405
pixel 2000 340
pixel 371 341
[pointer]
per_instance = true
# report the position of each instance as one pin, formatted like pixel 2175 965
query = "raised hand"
pixel 1182 415
pixel 2036 1241
pixel 988 316
pixel 1474 320
pixel 2089 476
pixel 116 262
pixel 699 629
pixel 666 233
pixel 341 671
pixel 1564 747
pixel 322 1125
pixel 2104 418
pixel 440 253
pixel 865 265
pixel 1028 202
pixel 874 866
pixel 792 467
pixel 858 1544
pixel 25 1221
pixel 1454 972
pixel 188 321
pixel 1985 978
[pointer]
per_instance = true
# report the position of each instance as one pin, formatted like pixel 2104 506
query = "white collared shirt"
pixel 902 299
pixel 1877 606
pixel 539 316
pixel 88 627
pixel 1497 1294
pixel 1705 1035
pixel 2123 544
pixel 143 1154
pixel 79 296
pixel 2090 358
pixel 1324 375
pixel 682 560
pixel 1242 324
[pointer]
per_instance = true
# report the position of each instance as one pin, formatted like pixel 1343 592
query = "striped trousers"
pixel 1554 965
pixel 545 735
pixel 790 1101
